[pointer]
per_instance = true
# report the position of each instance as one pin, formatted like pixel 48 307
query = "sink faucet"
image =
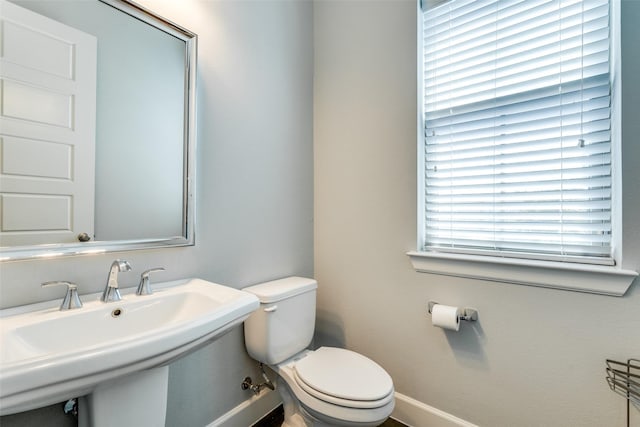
pixel 71 299
pixel 111 292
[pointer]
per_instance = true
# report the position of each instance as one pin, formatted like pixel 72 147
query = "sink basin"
pixel 47 355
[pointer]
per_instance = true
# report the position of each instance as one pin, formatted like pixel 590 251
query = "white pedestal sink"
pixel 113 353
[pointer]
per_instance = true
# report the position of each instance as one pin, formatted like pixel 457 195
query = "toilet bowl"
pixel 324 387
pixel 339 387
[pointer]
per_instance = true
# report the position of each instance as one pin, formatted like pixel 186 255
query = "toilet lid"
pixel 344 374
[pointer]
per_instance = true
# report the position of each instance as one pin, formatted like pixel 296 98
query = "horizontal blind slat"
pixel 517 128
pixel 488 37
pixel 589 97
pixel 473 70
pixel 508 41
pixel 516 121
pixel 600 80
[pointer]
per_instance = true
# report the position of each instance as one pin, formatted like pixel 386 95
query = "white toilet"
pixel 326 387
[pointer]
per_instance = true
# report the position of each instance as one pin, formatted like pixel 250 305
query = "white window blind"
pixel 517 129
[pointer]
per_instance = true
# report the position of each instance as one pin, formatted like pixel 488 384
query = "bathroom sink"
pixel 47 355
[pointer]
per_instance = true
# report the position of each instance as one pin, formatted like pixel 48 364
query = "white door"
pixel 47 129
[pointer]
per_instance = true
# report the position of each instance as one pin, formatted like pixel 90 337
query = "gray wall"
pixel 254 195
pixel 537 356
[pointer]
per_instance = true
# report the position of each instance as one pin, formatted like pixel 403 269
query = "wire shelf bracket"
pixel 624 379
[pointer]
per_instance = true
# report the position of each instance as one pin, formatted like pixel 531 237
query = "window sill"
pixel 573 277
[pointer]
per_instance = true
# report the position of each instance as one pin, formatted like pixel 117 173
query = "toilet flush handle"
pixel 271 309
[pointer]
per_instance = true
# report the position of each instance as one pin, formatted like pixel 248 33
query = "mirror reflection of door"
pixel 47 152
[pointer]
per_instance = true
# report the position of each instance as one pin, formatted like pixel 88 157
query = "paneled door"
pixel 47 129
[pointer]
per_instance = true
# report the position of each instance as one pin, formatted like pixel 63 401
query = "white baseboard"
pixel 250 411
pixel 407 410
pixel 417 414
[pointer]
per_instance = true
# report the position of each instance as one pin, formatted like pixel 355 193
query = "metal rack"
pixel 624 379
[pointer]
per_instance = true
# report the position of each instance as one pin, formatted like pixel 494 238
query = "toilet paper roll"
pixel 446 317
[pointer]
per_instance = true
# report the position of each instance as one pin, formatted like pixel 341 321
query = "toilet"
pixel 324 387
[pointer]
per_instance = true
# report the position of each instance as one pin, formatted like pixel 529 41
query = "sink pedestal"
pixel 139 399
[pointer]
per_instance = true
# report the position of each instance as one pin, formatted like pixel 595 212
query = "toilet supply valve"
pixel 71 407
pixel 247 384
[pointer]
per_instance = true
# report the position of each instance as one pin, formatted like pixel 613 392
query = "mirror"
pixel 97 130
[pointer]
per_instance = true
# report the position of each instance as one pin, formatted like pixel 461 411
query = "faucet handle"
pixel 71 299
pixel 143 286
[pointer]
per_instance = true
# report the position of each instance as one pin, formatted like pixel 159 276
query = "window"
pixel 516 123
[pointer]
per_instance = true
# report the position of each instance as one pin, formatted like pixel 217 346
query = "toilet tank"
pixel 284 323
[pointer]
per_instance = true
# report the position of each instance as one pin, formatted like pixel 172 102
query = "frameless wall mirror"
pixel 97 129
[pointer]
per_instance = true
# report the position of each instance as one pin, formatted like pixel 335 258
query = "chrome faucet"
pixel 111 292
pixel 71 299
pixel 143 286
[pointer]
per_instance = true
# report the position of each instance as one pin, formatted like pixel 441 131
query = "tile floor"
pixel 392 423
pixel 276 417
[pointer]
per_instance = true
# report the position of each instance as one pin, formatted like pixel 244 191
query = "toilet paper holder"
pixel 468 314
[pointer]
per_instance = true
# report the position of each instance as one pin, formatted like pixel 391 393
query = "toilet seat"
pixel 343 377
pixel 326 406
